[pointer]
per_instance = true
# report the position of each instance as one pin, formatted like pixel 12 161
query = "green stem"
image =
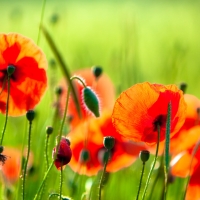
pixel 102 176
pixel 43 181
pixel 7 107
pixel 140 184
pixel 167 141
pixel 153 164
pixel 46 151
pixel 41 19
pixel 79 79
pixel 61 180
pixel 26 162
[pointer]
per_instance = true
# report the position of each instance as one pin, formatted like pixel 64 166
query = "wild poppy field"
pixel 99 100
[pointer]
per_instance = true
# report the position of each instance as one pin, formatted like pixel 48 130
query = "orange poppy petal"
pixel 140 107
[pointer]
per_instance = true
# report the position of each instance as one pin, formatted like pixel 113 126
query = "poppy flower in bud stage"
pixel 88 151
pixel 12 166
pixel 142 107
pixel 64 153
pixel 29 81
pixel 103 87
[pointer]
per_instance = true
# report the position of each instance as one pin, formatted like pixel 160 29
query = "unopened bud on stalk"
pixel 97 71
pixel 30 115
pixel 91 101
pixel 144 155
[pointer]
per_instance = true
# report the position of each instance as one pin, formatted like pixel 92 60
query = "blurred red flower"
pixel 12 166
pixel 142 106
pixel 89 135
pixel 183 164
pixel 64 154
pixel 28 82
pixel 103 87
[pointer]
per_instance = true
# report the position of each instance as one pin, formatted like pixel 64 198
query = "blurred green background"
pixel 134 41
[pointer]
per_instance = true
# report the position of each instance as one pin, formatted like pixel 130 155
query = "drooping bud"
pixel 49 130
pixel 97 71
pixel 91 101
pixel 144 155
pixel 109 142
pixel 30 115
pixel 10 70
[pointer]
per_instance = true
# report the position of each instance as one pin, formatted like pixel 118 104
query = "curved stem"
pixel 140 184
pixel 78 78
pixel 26 162
pixel 43 181
pixel 102 176
pixel 7 107
pixel 153 164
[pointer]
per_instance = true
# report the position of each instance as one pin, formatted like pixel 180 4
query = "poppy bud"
pixel 84 156
pixel 64 154
pixel 144 155
pixel 10 70
pixel 97 71
pixel 183 87
pixel 91 101
pixel 49 130
pixel 109 142
pixel 58 91
pixel 30 115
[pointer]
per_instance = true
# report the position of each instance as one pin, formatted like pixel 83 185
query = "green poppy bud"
pixel 91 101
pixel 144 155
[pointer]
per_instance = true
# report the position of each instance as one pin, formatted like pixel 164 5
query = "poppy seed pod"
pixel 144 155
pixel 91 101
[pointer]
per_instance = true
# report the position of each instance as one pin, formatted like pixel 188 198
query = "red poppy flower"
pixel 142 106
pixel 12 166
pixel 103 87
pixel 186 136
pixel 28 82
pixel 64 154
pixel 88 136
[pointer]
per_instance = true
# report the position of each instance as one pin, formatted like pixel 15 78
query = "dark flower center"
pixel 159 121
